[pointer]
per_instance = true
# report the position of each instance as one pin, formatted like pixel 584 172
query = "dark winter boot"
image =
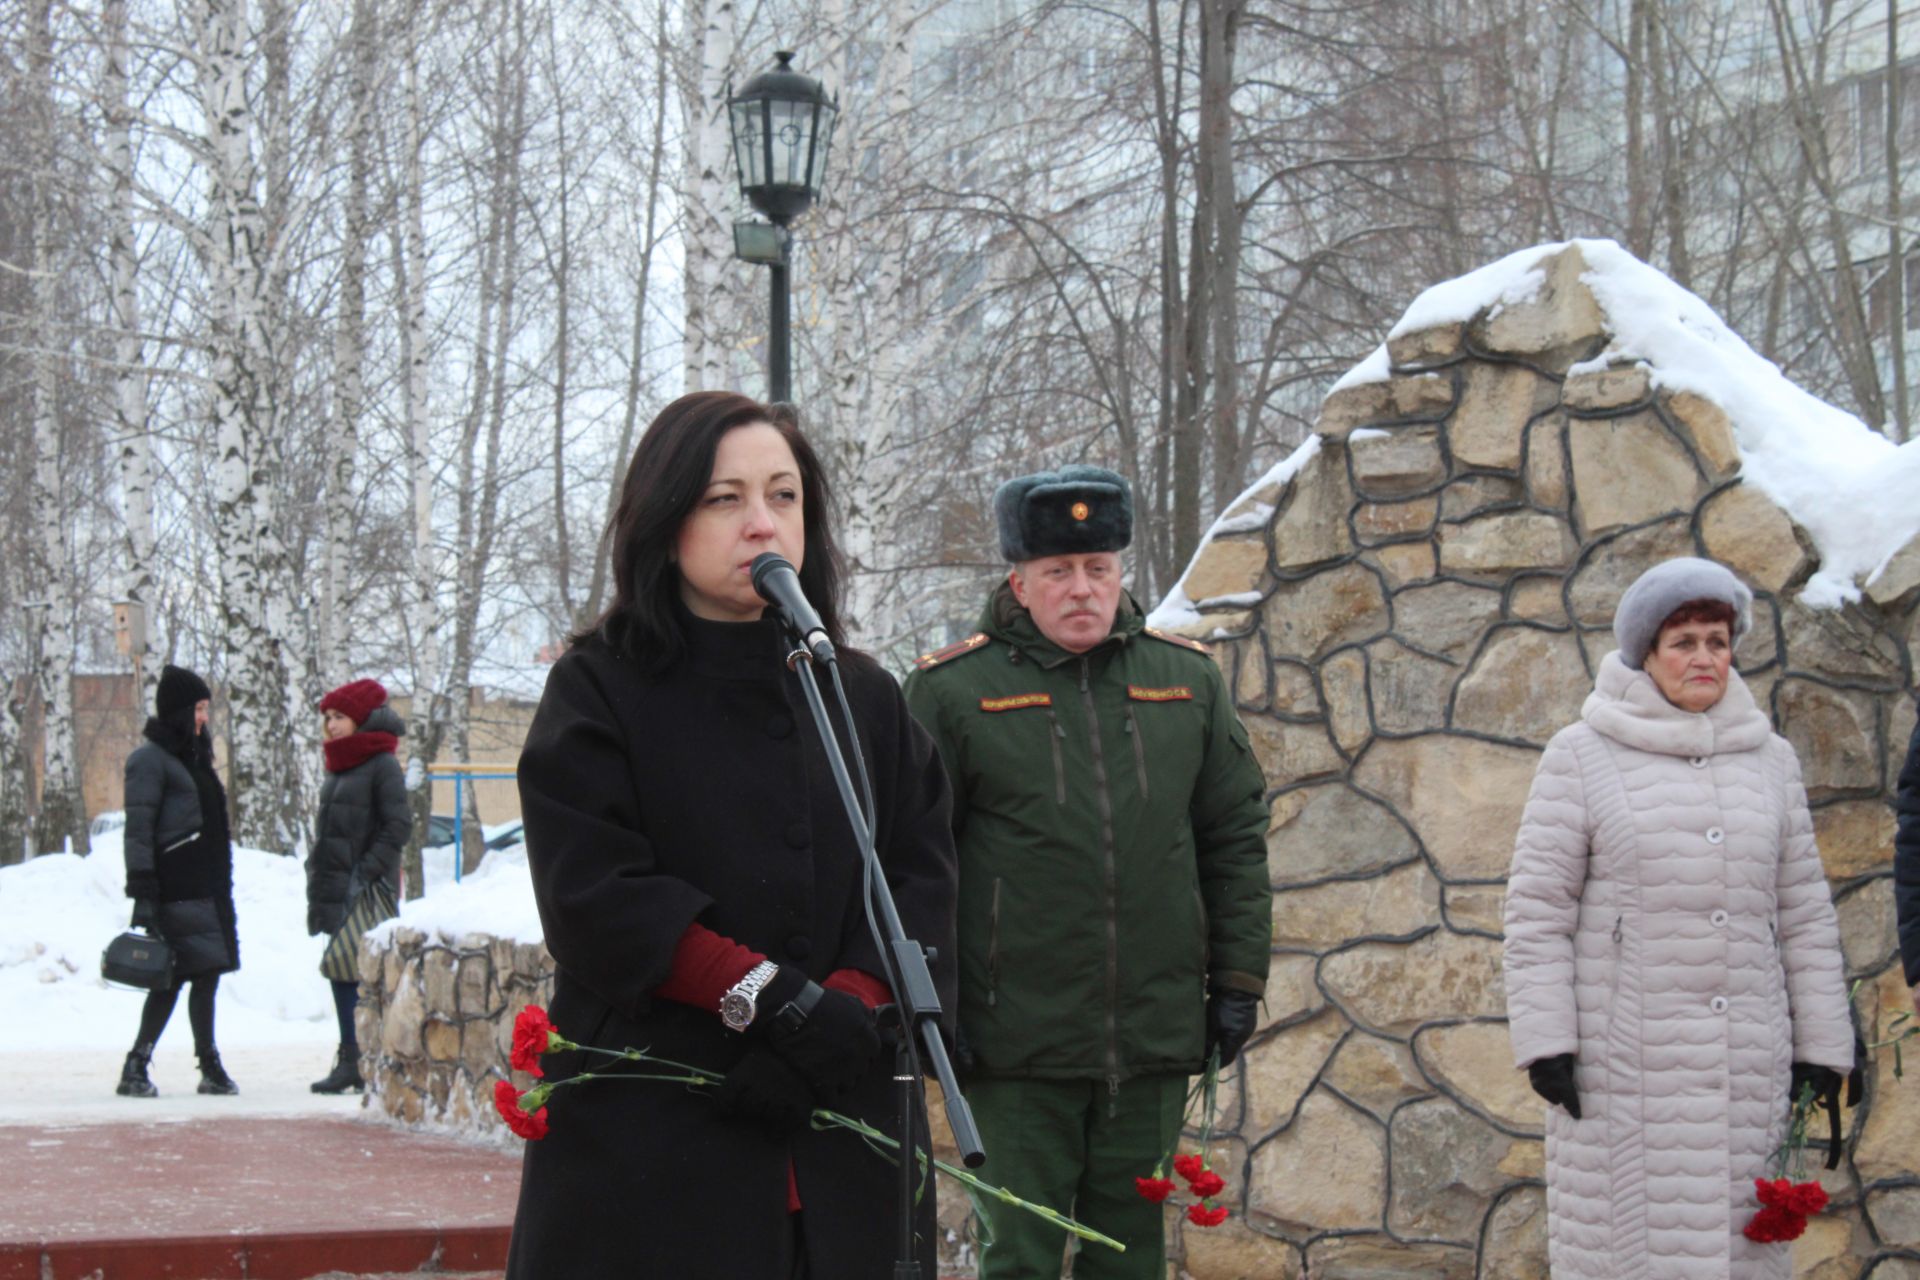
pixel 213 1076
pixel 133 1075
pixel 345 1076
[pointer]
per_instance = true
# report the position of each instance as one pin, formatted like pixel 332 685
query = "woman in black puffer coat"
pixel 180 873
pixel 363 825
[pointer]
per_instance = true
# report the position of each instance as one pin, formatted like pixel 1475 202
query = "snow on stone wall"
pixel 1422 607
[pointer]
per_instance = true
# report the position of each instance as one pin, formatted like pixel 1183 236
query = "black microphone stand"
pixel 916 1002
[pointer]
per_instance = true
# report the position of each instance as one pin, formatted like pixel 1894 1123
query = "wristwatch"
pixel 792 1015
pixel 737 1006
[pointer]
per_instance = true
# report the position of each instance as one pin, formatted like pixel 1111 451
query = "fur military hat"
pixel 1071 511
pixel 179 690
pixel 1662 589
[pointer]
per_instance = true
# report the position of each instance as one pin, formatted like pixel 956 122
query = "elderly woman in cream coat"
pixel 1672 962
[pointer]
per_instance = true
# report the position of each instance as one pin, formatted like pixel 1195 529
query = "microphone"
pixel 775 581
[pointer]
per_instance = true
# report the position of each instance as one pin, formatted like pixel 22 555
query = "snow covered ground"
pixel 66 1031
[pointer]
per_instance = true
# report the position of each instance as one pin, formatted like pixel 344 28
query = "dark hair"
pixel 669 472
pixel 1702 610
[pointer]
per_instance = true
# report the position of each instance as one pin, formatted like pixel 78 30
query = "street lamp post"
pixel 782 126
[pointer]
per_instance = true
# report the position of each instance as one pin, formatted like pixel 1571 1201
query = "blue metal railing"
pixel 462 774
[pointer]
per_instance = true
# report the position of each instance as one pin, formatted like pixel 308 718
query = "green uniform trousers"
pixel 1072 1146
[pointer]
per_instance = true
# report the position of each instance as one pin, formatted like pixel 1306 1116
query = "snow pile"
pixel 1245 514
pixel 1853 490
pixel 496 899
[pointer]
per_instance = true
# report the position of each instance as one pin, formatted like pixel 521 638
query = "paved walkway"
pixel 248 1198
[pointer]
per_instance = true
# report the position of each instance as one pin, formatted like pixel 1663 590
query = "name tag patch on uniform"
pixel 1015 702
pixel 1173 693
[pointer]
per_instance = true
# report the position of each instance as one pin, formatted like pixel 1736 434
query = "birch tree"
pixel 706 212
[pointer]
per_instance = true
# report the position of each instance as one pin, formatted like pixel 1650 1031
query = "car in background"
pixel 439 830
pixel 109 820
pixel 506 834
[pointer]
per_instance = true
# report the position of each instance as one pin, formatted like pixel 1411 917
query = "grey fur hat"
pixel 1071 511
pixel 1656 593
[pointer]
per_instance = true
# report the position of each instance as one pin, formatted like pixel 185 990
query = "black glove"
pixel 1552 1079
pixel 146 914
pixel 1232 1017
pixel 1825 1083
pixel 762 1089
pixel 143 884
pixel 832 1049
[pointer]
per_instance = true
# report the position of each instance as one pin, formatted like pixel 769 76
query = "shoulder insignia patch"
pixel 1182 641
pixel 1014 702
pixel 1173 693
pixel 927 661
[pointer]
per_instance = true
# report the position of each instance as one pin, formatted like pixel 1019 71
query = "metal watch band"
pixel 737 1006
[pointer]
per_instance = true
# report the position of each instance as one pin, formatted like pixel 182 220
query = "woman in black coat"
pixel 180 873
pixel 689 849
pixel 357 839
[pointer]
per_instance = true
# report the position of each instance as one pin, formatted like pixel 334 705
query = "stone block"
pixel 1290 753
pixel 1471 495
pixel 1409 689
pixel 1868 935
pixel 1886 1144
pixel 1398 903
pixel 1855 836
pixel 1378 522
pixel 1606 390
pixel 1383 1258
pixel 1329 829
pixel 1526 684
pixel 1833 733
pixel 1538 598
pixel 479 1053
pixel 1610 568
pixel 1421 395
pixel 1344 678
pixel 1405 562
pixel 1706 426
pixel 1901 712
pixel 1310 618
pixel 1596 645
pixel 1627 471
pixel 473 985
pixel 1760 647
pixel 1404 461
pixel 1472 1063
pixel 1497 403
pixel 1515 1245
pixel 1326 1170
pixel 1235 1251
pixel 393 967
pixel 1895 1213
pixel 1292 992
pixel 1359 405
pixel 1249 679
pixel 1742 529
pixel 1832 1248
pixel 1505 541
pixel 1393 987
pixel 1546 469
pixel 1846 643
pixel 1481 907
pixel 441 1040
pixel 1280 1070
pixel 1556 326
pixel 400 1028
pixel 1295 692
pixel 1432 345
pixel 1898 578
pixel 1462 795
pixel 437 965
pixel 1311 527
pixel 1446 618
pixel 1445 1169
pixel 1376 1074
pixel 1227 567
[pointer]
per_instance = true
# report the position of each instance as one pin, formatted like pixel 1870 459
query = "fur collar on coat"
pixel 1627 706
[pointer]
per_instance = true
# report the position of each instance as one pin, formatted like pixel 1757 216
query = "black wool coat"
pixel 1906 860
pixel 363 825
pixel 177 833
pixel 703 794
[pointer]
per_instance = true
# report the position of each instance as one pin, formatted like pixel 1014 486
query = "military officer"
pixel 1115 913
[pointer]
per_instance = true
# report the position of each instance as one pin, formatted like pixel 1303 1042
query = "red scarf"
pixel 357 748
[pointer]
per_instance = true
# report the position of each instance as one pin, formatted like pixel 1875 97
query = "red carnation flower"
pixel 1201 1216
pixel 506 1100
pixel 1773 1225
pixel 1775 1193
pixel 1807 1199
pixel 1189 1167
pixel 1154 1189
pixel 1208 1184
pixel 532 1034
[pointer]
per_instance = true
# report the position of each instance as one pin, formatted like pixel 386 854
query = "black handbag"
pixel 139 960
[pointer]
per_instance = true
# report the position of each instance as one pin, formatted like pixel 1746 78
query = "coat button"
pixel 798 835
pixel 1715 835
pixel 1718 1004
pixel 1719 919
pixel 799 947
pixel 779 726
pixel 1698 762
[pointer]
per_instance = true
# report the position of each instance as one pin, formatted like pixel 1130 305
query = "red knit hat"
pixel 356 700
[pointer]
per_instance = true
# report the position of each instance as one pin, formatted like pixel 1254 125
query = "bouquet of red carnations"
pixel 1202 1182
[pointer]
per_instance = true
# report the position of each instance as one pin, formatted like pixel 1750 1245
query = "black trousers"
pixel 159 1008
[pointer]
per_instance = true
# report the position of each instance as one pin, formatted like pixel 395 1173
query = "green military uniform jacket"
pixel 1111 828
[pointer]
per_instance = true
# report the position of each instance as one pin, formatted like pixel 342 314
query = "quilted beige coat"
pixel 1668 922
